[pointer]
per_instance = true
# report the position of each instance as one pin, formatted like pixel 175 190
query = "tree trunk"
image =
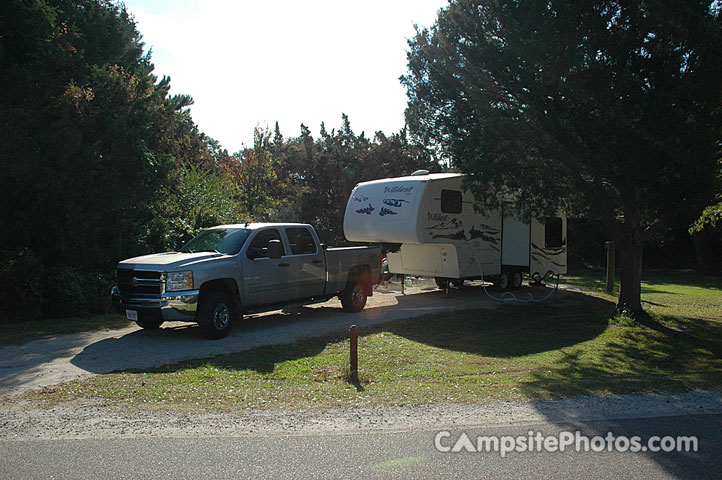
pixel 703 252
pixel 630 286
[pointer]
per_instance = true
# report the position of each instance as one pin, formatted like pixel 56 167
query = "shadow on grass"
pixel 507 331
pixel 653 280
pixel 650 357
pixel 512 330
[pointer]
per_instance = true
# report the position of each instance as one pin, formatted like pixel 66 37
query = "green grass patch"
pixel 22 332
pixel 569 346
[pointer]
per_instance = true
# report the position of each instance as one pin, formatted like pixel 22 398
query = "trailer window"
pixel 451 201
pixel 553 232
pixel 301 241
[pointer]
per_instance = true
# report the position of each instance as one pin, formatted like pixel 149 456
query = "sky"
pixel 251 63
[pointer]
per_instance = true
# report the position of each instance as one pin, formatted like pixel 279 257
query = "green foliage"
pixel 610 108
pixel 710 216
pixel 254 170
pixel 91 140
pixel 197 198
pixel 318 175
pixel 101 163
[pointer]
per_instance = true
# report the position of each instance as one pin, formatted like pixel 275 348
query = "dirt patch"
pixel 94 421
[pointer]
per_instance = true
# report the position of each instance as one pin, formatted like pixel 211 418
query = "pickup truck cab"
pixel 230 270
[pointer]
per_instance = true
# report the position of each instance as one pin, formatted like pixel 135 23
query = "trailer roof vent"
pixel 420 172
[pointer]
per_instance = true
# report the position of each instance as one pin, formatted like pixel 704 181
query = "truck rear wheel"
pixel 442 282
pixel 353 298
pixel 215 315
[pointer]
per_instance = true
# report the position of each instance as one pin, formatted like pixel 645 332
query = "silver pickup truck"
pixel 230 270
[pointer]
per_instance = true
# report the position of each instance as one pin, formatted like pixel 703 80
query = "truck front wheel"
pixel 215 315
pixel 353 298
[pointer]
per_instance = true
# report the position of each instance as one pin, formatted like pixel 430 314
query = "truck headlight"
pixel 179 281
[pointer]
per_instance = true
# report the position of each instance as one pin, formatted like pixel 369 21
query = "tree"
pixel 606 108
pixel 90 141
pixel 318 174
pixel 254 172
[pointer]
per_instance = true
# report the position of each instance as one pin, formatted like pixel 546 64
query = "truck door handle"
pixel 284 264
pixel 317 261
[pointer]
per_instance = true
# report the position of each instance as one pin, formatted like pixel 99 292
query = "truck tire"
pixel 458 282
pixel 215 315
pixel 442 282
pixel 353 298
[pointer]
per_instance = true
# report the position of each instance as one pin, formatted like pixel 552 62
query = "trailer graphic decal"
pixel 395 202
pixel 367 210
pixel 398 189
pixel 385 211
pixel 460 235
pixel 542 255
pixel 360 199
pixel 451 224
pixel 488 235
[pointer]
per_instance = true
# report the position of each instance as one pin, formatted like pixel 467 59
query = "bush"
pixel 70 292
pixel 20 287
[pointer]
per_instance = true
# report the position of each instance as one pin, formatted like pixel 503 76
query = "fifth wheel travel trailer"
pixel 440 233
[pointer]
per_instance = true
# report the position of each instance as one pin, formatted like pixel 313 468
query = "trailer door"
pixel 515 236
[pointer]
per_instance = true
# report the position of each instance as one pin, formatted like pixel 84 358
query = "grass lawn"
pixel 517 352
pixel 18 333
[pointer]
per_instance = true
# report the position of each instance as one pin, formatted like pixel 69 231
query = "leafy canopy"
pixel 611 106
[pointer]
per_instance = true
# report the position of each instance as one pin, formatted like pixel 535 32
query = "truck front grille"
pixel 139 283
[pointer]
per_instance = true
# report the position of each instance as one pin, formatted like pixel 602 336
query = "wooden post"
pixel 353 357
pixel 609 247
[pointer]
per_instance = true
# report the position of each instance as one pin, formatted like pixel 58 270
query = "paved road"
pixel 368 455
pixel 54 360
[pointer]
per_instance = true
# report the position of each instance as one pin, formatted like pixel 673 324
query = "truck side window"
pixel 553 232
pixel 301 241
pixel 259 246
pixel 451 201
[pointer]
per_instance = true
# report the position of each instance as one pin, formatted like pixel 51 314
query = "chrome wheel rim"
pixel 358 296
pixel 221 316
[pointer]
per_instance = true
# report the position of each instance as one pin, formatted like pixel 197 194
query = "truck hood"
pixel 170 260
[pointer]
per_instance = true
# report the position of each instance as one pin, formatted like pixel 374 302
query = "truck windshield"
pixel 221 240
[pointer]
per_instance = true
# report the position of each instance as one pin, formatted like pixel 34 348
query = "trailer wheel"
pixel 515 280
pixel 442 282
pixel 215 315
pixel 502 281
pixel 458 282
pixel 353 298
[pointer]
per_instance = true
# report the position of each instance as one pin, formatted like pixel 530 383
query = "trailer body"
pixel 432 227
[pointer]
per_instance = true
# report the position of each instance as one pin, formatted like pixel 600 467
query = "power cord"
pixel 510 297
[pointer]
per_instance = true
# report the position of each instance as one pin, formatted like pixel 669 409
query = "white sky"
pixel 255 62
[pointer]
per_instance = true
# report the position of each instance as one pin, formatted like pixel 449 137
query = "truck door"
pixel 266 280
pixel 307 270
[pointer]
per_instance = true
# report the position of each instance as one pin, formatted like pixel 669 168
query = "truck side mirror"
pixel 275 249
